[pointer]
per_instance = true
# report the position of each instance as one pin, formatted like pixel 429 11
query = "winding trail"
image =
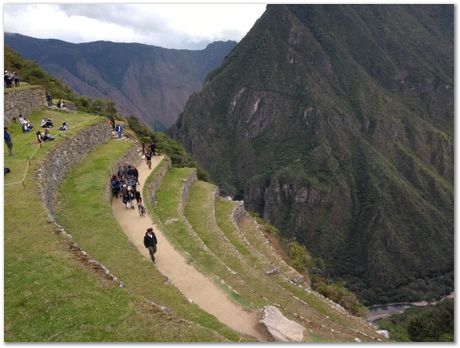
pixel 193 284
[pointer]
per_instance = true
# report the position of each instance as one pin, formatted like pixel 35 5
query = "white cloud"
pixel 166 25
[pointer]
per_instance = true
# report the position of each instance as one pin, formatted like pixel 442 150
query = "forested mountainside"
pixel 336 124
pixel 152 83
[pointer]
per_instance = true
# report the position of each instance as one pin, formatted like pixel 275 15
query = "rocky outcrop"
pixel 281 328
pixel 158 175
pixel 23 101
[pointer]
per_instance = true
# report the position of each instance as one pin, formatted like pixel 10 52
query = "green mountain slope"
pixel 336 125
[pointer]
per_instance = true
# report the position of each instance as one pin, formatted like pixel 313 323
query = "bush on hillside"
pixel 300 258
pixel 338 293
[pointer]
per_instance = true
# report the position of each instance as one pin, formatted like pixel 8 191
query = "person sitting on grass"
pixel 26 126
pixel 64 127
pixel 47 136
pixel 46 122
pixel 44 137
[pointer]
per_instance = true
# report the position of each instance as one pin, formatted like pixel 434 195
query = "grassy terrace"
pixel 22 86
pixel 48 295
pixel 94 229
pixel 175 226
pixel 262 257
pixel 207 237
pixel 260 288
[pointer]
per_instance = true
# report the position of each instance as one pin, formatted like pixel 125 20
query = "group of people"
pixel 10 78
pixel 60 104
pixel 45 123
pixel 124 185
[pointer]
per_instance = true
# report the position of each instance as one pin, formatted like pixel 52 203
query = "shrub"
pixel 337 292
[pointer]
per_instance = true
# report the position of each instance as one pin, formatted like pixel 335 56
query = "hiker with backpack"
pixel 150 242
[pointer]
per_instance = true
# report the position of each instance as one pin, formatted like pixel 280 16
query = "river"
pixel 383 311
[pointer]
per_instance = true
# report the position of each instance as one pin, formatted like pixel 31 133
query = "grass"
pixel 21 87
pixel 94 229
pixel 262 259
pixel 255 286
pixel 167 209
pixel 48 295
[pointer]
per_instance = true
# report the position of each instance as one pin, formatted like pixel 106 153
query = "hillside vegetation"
pixel 31 73
pixel 425 324
pixel 335 124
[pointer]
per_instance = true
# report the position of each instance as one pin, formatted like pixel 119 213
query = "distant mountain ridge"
pixel 152 83
pixel 336 124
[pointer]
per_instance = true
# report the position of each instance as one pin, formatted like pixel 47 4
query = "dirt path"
pixel 193 284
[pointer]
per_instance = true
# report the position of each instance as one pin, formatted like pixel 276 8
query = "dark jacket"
pixel 150 241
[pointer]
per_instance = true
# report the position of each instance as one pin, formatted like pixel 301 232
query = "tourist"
pixel 150 242
pixel 8 141
pixel 39 137
pixel 64 126
pixel 26 126
pixel 119 130
pixel 115 184
pixel 153 147
pixel 148 158
pixel 49 99
pixel 46 123
pixel 16 79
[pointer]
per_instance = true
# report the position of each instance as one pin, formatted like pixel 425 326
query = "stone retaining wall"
pixel 64 156
pixel 23 101
pixel 186 186
pixel 239 213
pixel 158 176
pixel 52 172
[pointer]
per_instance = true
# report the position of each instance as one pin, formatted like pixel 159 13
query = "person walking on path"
pixel 8 141
pixel 150 242
pixel 119 130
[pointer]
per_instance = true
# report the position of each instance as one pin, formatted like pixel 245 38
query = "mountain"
pixel 336 124
pixel 152 83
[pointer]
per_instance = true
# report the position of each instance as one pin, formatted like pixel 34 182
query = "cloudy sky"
pixel 190 26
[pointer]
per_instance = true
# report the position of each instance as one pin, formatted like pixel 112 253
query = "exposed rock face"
pixel 281 328
pixel 152 83
pixel 23 101
pixel 335 123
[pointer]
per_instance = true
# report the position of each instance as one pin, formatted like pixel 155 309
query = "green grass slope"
pixel 235 266
pixel 49 296
pixel 87 215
